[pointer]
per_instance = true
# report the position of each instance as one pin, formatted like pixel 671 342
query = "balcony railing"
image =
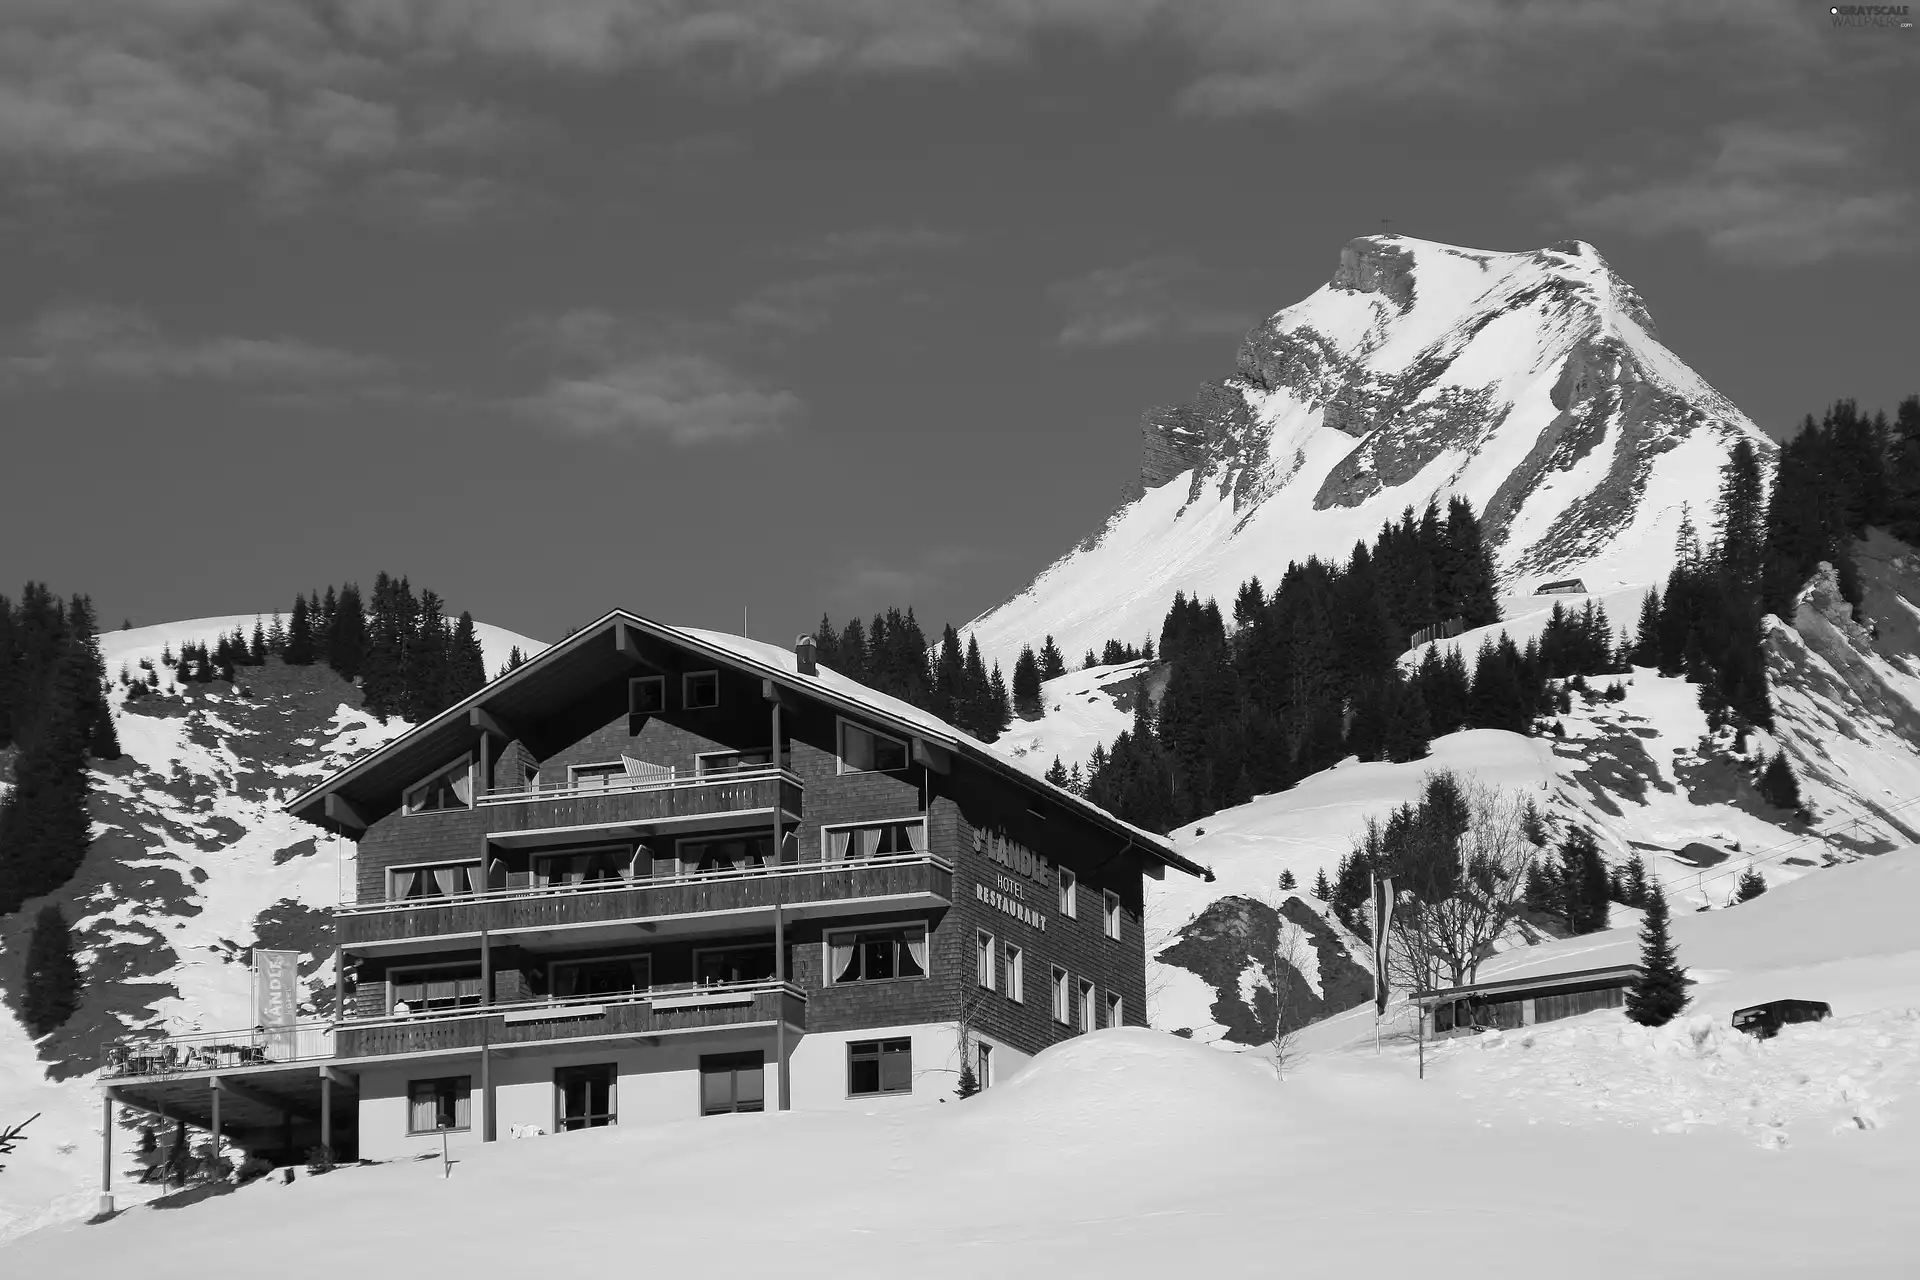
pixel 198 1051
pixel 655 1011
pixel 794 884
pixel 657 799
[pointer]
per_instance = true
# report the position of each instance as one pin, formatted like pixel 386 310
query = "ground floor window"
pixel 732 1082
pixel 1115 1011
pixel 445 1103
pixel 879 1066
pixel 1086 1006
pixel 984 1072
pixel 584 1097
pixel 1062 996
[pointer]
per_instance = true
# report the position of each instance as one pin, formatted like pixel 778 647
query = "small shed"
pixel 1561 587
pixel 1523 1002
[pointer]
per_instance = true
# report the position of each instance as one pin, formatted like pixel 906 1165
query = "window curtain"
pixel 449 879
pixel 424 1115
pixel 917 836
pixel 917 949
pixel 866 841
pixel 406 884
pixel 842 948
pixel 463 785
pixel 837 842
pixel 462 1115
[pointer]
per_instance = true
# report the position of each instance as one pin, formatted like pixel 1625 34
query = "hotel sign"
pixel 1002 901
pixel 1012 855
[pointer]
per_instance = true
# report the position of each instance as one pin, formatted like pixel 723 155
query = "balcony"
pixel 521 815
pixel 653 1012
pixel 659 906
pixel 141 1057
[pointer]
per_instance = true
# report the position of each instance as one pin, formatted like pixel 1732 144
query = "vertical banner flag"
pixel 276 999
pixel 1382 921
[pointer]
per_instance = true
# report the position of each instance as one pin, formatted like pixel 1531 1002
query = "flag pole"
pixel 1373 900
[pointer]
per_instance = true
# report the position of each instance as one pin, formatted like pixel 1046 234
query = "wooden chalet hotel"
pixel 658 873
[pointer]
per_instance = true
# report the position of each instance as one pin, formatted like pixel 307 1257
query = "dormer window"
pixel 450 788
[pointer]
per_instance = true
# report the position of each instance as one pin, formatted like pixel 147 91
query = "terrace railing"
pixel 202 1051
pixel 667 1009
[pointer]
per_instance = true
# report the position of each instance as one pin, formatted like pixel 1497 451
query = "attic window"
pixel 646 695
pixel 700 690
pixel 450 788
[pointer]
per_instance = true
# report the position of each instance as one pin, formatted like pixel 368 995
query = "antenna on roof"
pixel 743 621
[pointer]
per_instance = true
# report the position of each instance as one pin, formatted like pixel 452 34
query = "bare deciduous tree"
pixel 14 1136
pixel 1459 861
pixel 1286 982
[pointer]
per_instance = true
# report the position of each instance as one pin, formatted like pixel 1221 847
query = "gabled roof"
pixel 1535 984
pixel 588 658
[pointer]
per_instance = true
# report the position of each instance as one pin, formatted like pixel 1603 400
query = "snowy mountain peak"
pixel 1532 383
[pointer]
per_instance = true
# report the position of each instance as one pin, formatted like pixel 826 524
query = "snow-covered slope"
pixel 1532 383
pixel 192 865
pixel 1588 1147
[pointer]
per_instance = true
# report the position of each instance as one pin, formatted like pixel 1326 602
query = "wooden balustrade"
pixel 606 902
pixel 656 1012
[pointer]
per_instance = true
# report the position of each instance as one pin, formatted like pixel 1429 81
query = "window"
pixel 587 776
pixel 583 866
pixel 879 1066
pixel 1062 998
pixel 1086 1006
pixel 731 1082
pixel 1069 905
pixel 1016 974
pixel 983 1073
pixel 863 751
pixel 983 966
pixel 439 880
pixel 646 695
pixel 605 976
pixel 733 964
pixel 445 987
pixel 873 839
pixel 726 853
pixel 876 955
pixel 433 1105
pixel 450 788
pixel 1114 1010
pixel 583 1097
pixel 1110 902
pixel 705 762
pixel 699 690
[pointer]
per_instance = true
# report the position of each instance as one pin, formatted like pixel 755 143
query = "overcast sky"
pixel 805 305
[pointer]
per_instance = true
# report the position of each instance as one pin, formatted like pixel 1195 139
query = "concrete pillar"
pixel 216 1118
pixel 326 1110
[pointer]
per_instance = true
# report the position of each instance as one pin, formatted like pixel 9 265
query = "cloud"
pixel 869 242
pixel 623 378
pixel 867 578
pixel 801 305
pixel 76 342
pixel 686 397
pixel 1150 299
pixel 1764 195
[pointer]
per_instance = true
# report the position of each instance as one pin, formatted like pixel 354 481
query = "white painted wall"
pixel 656 1084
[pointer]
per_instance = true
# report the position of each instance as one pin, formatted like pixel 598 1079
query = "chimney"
pixel 803 656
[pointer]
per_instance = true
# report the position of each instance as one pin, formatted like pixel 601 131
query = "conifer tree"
pixel 44 825
pixel 826 643
pixel 1583 882
pixel 1000 706
pixel 425 669
pixel 1057 773
pixel 256 652
pixel 515 658
pixel 975 704
pixel 1752 885
pixel 1052 665
pixel 276 634
pixel 1633 881
pixel 390 628
pixel 949 677
pixel 1026 684
pixel 52 978
pixel 1741 550
pixel 853 651
pixel 1778 784
pixel 466 663
pixel 300 647
pixel 1089 662
pixel 347 633
pixel 1660 992
pixel 1288 880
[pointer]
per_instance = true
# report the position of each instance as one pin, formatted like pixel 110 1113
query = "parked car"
pixel 1763 1021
